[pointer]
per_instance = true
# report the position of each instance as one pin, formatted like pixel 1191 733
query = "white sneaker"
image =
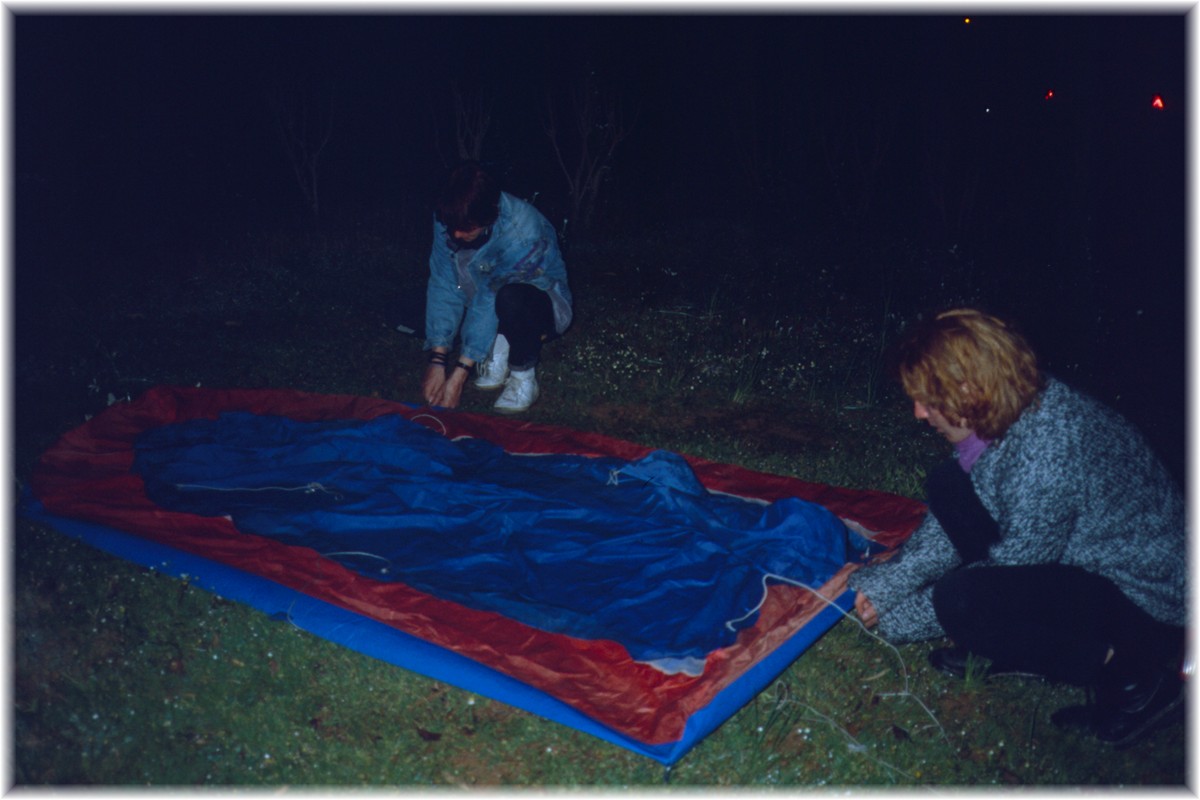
pixel 520 392
pixel 493 370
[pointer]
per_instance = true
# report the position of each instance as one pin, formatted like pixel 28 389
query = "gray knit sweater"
pixel 1070 482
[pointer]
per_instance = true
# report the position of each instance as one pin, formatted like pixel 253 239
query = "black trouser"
pixel 1052 619
pixel 526 320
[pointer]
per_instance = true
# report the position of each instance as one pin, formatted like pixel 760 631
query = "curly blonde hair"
pixel 974 368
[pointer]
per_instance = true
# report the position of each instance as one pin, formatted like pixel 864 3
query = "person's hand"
pixel 452 388
pixel 866 611
pixel 433 384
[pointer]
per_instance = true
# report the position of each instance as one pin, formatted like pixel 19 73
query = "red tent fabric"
pixel 87 477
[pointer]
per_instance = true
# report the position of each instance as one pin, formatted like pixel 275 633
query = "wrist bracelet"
pixel 437 358
pixel 468 367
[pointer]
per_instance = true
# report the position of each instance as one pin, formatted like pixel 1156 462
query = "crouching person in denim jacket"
pixel 1055 541
pixel 498 281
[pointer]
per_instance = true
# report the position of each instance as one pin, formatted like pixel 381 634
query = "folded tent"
pixel 637 595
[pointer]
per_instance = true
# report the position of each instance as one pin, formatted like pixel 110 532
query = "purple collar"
pixel 969 450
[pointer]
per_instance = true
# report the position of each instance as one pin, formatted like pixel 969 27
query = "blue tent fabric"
pixel 637 552
pixel 384 642
pixel 319 473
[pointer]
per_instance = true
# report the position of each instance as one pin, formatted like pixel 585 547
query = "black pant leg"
pixel 960 512
pixel 526 320
pixel 1056 620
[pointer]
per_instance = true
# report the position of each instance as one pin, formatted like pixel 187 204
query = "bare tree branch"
pixel 304 119
pixel 472 117
pixel 600 127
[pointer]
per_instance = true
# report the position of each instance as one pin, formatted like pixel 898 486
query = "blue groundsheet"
pixel 638 595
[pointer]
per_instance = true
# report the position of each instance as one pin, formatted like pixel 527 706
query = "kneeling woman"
pixel 1055 541
pixel 498 282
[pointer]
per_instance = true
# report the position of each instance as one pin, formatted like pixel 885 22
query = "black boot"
pixel 1131 707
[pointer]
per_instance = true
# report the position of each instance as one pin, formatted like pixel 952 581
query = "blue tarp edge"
pixel 758 677
pixel 393 646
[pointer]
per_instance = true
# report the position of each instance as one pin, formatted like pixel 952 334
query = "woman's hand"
pixel 433 384
pixel 452 387
pixel 866 611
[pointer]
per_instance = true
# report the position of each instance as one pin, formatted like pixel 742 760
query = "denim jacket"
pixel 522 248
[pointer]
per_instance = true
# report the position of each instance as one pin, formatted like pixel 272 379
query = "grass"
pixel 127 677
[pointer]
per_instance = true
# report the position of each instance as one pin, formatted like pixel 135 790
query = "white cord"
pixel 432 417
pixel 903 667
pixel 307 488
pixel 383 571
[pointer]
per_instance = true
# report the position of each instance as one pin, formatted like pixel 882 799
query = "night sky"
pixel 152 134
pixel 161 114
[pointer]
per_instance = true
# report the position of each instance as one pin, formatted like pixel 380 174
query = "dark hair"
pixel 470 199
